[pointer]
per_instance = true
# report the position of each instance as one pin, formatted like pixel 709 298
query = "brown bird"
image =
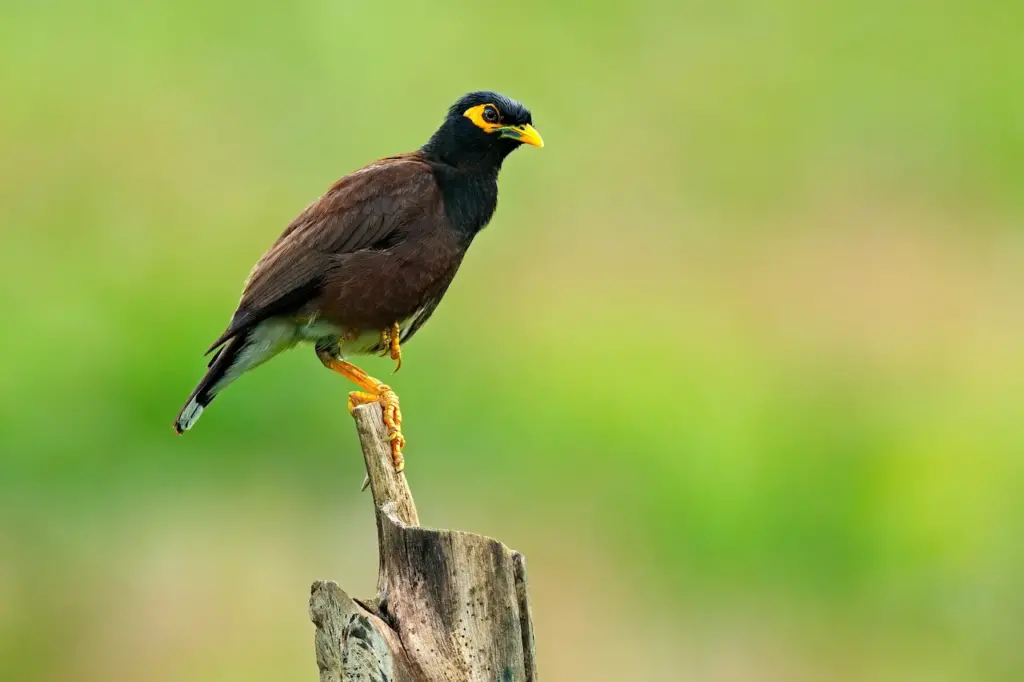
pixel 361 269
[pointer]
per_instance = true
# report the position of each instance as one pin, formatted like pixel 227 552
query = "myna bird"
pixel 362 268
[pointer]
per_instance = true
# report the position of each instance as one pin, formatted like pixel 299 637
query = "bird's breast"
pixel 373 290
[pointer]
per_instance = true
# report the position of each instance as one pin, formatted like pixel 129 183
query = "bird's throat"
pixel 470 197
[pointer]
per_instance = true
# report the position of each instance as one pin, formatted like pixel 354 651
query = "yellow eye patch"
pixel 477 116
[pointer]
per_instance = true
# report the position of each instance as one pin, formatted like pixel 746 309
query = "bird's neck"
pixel 447 147
pixel 470 197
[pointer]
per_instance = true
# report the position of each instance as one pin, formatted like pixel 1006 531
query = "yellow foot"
pixel 390 339
pixel 373 392
pixel 392 418
pixel 356 398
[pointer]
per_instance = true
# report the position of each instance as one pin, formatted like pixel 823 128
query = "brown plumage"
pixel 362 268
pixel 367 253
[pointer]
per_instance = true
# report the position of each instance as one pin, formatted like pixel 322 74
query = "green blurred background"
pixel 738 364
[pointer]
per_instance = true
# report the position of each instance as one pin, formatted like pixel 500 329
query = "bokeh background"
pixel 738 365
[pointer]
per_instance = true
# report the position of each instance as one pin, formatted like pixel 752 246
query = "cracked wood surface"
pixel 450 606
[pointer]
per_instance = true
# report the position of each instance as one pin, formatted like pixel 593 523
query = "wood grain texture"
pixel 351 643
pixel 450 606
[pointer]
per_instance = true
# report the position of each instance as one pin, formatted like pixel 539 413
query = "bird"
pixel 360 270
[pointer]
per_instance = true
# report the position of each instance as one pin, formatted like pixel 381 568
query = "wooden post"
pixel 450 606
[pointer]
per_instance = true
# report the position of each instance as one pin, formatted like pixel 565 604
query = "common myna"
pixel 363 267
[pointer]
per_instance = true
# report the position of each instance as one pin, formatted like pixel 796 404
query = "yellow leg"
pixel 373 392
pixel 390 339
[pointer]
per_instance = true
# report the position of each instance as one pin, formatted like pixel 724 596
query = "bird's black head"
pixel 481 129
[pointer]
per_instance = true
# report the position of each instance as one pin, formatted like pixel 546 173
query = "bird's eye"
pixel 491 114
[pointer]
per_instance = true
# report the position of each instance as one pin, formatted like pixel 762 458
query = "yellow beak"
pixel 525 133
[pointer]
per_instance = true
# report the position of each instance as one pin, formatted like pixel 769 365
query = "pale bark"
pixel 450 606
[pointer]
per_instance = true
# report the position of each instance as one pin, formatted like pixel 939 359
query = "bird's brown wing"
pixel 369 209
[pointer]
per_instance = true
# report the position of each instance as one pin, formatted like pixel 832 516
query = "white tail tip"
pixel 188 416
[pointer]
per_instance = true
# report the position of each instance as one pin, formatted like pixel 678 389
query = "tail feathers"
pixel 188 416
pixel 207 389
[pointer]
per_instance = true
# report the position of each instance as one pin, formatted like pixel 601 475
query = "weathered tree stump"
pixel 450 606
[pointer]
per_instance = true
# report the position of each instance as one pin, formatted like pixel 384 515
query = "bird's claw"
pixel 391 340
pixel 373 392
pixel 357 398
pixel 393 420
